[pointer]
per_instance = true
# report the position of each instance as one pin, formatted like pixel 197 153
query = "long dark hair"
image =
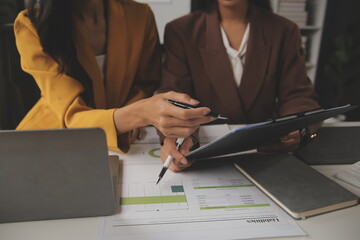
pixel 53 20
pixel 206 4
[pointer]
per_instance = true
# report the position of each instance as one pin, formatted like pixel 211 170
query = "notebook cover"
pixel 297 188
pixel 54 174
pixel 333 145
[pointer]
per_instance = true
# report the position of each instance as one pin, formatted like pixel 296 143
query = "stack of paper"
pixel 294 10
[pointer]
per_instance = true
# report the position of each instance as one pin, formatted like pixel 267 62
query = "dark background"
pixel 341 18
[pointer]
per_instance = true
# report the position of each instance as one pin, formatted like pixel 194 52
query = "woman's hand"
pixel 287 143
pixel 137 134
pixel 180 162
pixel 171 121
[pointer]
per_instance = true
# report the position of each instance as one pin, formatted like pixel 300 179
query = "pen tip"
pixel 158 180
pixel 221 117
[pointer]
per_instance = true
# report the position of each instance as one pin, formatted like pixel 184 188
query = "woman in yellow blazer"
pixel 93 60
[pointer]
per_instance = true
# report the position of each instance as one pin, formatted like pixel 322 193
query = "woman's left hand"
pixel 287 143
pixel 137 134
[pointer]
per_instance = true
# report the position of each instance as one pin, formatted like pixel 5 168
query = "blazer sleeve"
pixel 60 92
pixel 295 90
pixel 176 74
pixel 148 74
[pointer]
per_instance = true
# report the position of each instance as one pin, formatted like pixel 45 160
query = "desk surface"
pixel 342 224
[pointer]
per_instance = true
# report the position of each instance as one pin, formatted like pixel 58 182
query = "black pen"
pixel 169 159
pixel 185 106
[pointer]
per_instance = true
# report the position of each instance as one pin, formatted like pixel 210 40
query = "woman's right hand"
pixel 179 162
pixel 170 120
pixel 173 121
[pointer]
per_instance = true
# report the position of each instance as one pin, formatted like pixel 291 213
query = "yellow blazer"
pixel 133 63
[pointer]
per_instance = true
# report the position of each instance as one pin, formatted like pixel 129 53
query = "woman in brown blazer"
pixel 242 61
pixel 97 63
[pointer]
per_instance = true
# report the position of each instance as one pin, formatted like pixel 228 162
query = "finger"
pixel 180 97
pixel 292 135
pixel 169 148
pixel 184 114
pixel 177 132
pixel 294 140
pixel 177 166
pixel 184 149
pixel 186 146
pixel 290 144
pixel 183 163
pixel 291 141
pixel 133 134
pixel 179 162
pixel 179 112
pixel 141 133
pixel 296 135
pixel 169 122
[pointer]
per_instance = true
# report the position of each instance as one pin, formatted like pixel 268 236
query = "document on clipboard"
pixel 259 134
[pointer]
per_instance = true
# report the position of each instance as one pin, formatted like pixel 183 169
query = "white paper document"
pixel 207 202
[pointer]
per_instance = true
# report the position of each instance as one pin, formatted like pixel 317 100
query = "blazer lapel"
pixel 86 58
pixel 117 55
pixel 256 62
pixel 217 65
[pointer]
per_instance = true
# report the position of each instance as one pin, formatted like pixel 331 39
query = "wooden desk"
pixel 343 224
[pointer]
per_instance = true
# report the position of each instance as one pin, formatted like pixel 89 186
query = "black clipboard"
pixel 256 135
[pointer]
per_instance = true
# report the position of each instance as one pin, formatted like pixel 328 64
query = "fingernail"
pixel 184 152
pixel 206 112
pixel 195 102
pixel 183 161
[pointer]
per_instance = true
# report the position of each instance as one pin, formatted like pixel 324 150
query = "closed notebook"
pixel 299 189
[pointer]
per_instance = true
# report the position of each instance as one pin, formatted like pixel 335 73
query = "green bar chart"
pixel 153 200
pixel 230 186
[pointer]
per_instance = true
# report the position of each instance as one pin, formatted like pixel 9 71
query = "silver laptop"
pixel 52 174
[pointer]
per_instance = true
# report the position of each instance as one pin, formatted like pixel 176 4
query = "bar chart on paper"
pixel 187 198
pixel 148 197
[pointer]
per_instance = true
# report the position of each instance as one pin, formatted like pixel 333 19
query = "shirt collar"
pixel 233 53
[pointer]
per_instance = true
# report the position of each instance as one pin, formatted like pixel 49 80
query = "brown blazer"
pixel 274 81
pixel 133 66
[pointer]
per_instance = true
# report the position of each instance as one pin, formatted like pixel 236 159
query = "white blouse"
pixel 237 57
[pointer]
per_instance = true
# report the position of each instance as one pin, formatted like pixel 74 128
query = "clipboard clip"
pixel 298 115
